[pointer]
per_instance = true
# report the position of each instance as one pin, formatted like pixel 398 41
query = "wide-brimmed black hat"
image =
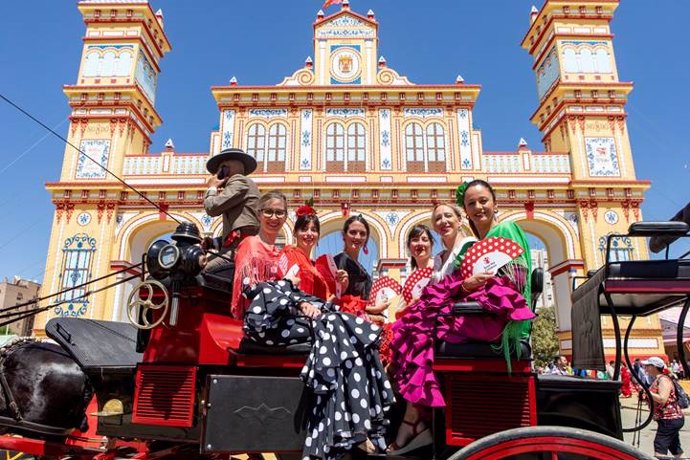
pixel 231 154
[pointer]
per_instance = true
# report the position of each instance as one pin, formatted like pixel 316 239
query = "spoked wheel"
pixel 549 443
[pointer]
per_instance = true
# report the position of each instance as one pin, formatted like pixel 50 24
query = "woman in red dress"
pixel 307 230
pixel 626 381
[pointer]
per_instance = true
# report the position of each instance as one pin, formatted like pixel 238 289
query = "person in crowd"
pixel 420 243
pixel 234 196
pixel 355 298
pixel 667 412
pixel 504 295
pixel 640 373
pixel 343 370
pixel 626 381
pixel 610 369
pixel 560 365
pixel 676 368
pixel 257 256
pixel 307 230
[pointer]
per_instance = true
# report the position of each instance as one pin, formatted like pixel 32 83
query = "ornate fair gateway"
pixel 358 137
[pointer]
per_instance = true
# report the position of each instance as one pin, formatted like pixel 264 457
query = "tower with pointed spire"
pixel 113 114
pixel 582 111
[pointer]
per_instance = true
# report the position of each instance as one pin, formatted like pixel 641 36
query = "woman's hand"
pixel 477 281
pixel 343 279
pixel 309 310
pixel 378 308
pixel 294 279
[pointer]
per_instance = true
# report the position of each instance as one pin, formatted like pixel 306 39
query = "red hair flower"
pixel 306 209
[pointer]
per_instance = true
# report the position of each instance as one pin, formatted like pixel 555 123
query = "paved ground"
pixel 646 436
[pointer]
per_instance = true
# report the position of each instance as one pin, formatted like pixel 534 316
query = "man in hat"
pixel 234 196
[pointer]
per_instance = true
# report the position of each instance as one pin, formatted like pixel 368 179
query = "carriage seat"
pixel 249 347
pixel 95 344
pixel 638 287
pixel 482 350
pixel 479 350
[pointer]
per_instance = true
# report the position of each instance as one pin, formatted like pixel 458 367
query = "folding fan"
pixel 415 283
pixel 384 290
pixel 329 270
pixel 489 255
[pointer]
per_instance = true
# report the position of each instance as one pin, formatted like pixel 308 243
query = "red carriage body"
pixel 197 388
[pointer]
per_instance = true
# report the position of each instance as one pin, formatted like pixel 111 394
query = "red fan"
pixel 415 283
pixel 384 289
pixel 329 270
pixel 489 255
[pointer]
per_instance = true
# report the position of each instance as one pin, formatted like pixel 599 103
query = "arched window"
pixel 425 150
pixel 436 148
pixel 256 142
pixel 345 149
pixel 108 69
pixel 124 62
pixel 414 147
pixel 268 147
pixel 277 145
pixel 77 261
pixel 570 60
pixel 92 63
pixel 586 61
pixel 355 148
pixel 602 61
pixel 621 249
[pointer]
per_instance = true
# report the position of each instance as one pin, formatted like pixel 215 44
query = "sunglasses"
pixel 279 213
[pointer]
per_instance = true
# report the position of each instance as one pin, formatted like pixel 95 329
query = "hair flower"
pixel 460 194
pixel 306 209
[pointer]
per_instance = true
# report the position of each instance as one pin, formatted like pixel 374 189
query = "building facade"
pixel 349 131
pixel 15 292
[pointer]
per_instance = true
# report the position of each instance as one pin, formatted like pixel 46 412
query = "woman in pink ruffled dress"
pixel 503 294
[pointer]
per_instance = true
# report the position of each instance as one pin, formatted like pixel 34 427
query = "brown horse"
pixel 48 386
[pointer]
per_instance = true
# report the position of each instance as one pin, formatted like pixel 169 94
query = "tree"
pixel 545 345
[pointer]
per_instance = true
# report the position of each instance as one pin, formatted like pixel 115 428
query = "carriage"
pixel 180 380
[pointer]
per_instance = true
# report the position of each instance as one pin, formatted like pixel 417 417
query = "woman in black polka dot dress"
pixel 343 369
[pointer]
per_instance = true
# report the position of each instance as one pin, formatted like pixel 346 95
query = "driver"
pixel 234 196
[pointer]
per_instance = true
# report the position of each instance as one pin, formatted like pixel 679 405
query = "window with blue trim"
pixel 77 261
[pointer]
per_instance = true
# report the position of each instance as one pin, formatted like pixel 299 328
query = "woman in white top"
pixel 446 221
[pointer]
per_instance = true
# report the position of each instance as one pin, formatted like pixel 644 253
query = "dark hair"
pixel 358 218
pixel 416 232
pixel 475 183
pixel 303 221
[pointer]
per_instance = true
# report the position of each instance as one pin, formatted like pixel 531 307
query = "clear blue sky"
pixel 262 41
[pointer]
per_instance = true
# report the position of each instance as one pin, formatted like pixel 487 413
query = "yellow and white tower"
pixel 113 113
pixel 582 111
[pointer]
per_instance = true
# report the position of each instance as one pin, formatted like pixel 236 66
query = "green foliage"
pixel 544 340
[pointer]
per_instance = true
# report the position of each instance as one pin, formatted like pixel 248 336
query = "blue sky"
pixel 260 42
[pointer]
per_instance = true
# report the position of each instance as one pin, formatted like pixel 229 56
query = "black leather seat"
pixel 479 350
pixel 249 347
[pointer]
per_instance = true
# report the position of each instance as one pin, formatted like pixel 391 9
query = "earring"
pixel 366 250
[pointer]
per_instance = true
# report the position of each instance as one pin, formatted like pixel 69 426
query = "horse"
pixel 49 390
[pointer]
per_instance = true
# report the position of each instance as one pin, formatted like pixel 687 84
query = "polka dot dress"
pixel 343 369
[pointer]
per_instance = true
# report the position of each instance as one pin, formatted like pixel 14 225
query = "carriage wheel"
pixel 549 443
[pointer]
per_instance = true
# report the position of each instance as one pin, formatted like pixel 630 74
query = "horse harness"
pixel 17 420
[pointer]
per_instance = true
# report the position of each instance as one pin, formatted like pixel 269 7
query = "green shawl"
pixel 514 331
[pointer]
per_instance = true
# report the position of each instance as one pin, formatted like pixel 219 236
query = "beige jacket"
pixel 237 202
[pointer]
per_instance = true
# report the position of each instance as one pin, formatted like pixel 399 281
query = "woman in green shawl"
pixel 503 294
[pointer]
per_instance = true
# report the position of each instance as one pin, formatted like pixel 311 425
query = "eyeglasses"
pixel 268 213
